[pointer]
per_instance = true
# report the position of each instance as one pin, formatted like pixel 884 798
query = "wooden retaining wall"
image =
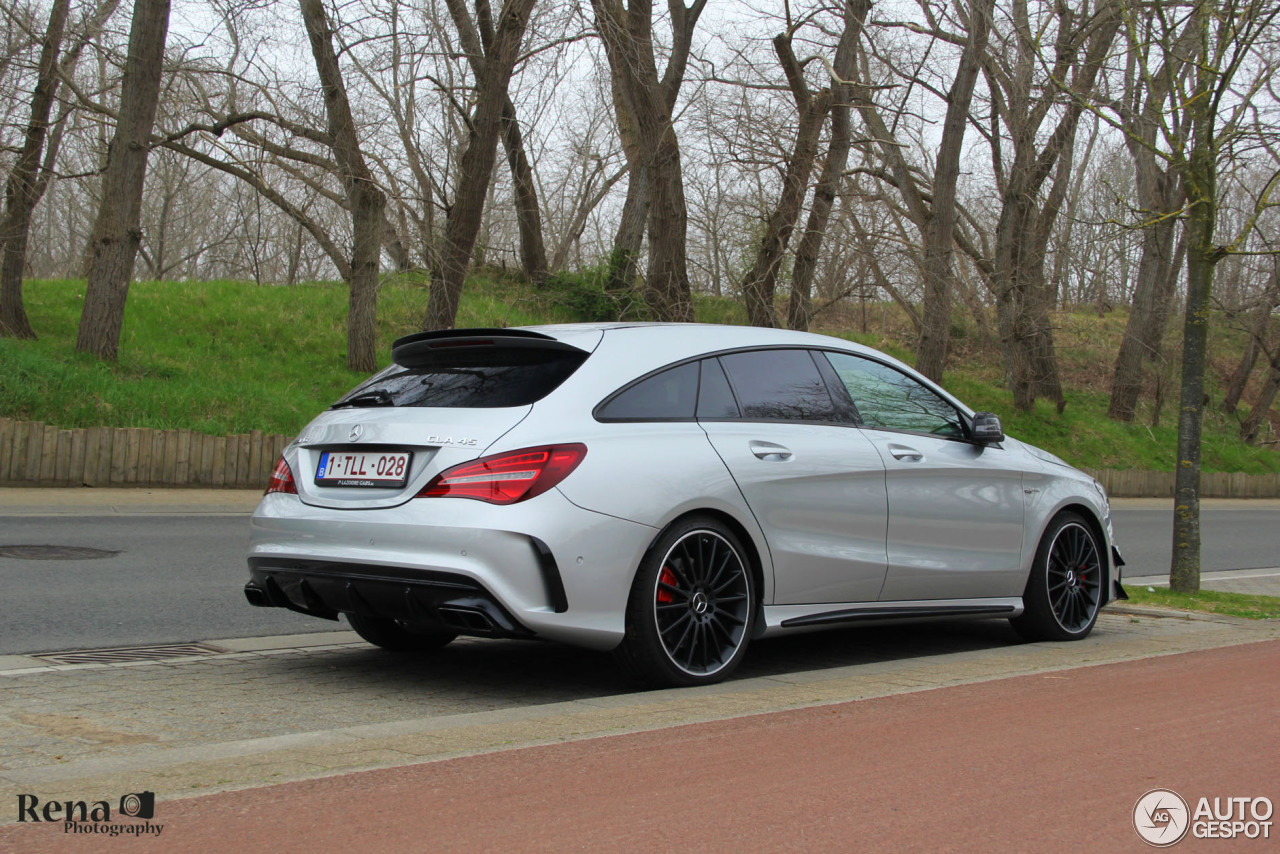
pixel 1159 484
pixel 36 454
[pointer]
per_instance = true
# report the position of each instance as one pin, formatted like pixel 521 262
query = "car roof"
pixel 705 336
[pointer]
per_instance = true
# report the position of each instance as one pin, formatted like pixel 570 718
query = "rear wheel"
pixel 689 614
pixel 1064 591
pixel 396 636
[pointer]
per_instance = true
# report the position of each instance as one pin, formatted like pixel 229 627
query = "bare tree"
pixel 1203 121
pixel 476 38
pixel 760 282
pixel 1026 157
pixel 365 200
pixel 1251 427
pixel 1160 197
pixel 116 236
pixel 21 191
pixel 34 167
pixel 800 303
pixel 476 166
pixel 645 102
pixel 929 202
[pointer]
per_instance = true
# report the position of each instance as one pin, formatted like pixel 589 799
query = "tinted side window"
pixel 890 399
pixel 715 398
pixel 671 395
pixel 777 385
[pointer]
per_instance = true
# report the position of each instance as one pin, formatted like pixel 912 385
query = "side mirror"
pixel 987 429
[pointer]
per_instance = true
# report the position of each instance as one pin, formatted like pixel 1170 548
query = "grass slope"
pixel 229 357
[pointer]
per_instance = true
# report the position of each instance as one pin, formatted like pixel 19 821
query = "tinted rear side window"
pixel 779 385
pixel 483 378
pixel 715 398
pixel 670 395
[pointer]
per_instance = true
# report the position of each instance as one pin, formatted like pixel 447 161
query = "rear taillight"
pixel 507 478
pixel 281 479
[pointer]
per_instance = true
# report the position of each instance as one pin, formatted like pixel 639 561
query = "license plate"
pixel 367 468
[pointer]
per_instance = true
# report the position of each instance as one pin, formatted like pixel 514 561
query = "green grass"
pixel 1209 601
pixel 229 357
pixel 216 357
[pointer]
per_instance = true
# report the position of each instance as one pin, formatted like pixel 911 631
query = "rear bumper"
pixel 543 568
pixel 430 600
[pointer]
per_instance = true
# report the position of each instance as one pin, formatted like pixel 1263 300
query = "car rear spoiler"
pixel 445 346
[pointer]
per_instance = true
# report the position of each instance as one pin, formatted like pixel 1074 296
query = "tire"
pixel 689 615
pixel 1064 591
pixel 395 636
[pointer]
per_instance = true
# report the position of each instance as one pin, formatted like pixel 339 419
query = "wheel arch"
pixel 754 559
pixel 1084 511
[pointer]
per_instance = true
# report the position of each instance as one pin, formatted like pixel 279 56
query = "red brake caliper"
pixel 668 578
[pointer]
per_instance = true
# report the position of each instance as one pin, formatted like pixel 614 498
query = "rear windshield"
pixel 482 378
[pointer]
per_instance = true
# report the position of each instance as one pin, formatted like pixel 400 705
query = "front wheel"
pixel 396 636
pixel 689 613
pixel 1064 592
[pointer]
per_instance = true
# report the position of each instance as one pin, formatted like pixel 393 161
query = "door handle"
pixel 770 452
pixel 902 452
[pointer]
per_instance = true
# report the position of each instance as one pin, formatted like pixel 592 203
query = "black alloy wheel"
pixel 1064 592
pixel 689 617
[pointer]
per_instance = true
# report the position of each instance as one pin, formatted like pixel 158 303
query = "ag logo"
pixel 1161 817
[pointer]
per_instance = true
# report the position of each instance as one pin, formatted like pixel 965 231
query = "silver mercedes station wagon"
pixel 669 492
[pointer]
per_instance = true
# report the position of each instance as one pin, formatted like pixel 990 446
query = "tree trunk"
pixel 1160 194
pixel 627 34
pixel 1023 297
pixel 1200 178
pixel 477 40
pixel 667 291
pixel 624 259
pixel 1257 339
pixel 365 201
pixel 1184 573
pixel 1252 426
pixel 938 233
pixel 23 189
pixel 116 232
pixel 761 281
pixel 800 305
pixel 476 166
pixel 533 251
pixel 1144 332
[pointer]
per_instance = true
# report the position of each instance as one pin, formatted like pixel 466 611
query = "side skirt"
pixel 782 619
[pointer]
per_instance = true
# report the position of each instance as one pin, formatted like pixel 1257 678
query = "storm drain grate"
pixel 119 655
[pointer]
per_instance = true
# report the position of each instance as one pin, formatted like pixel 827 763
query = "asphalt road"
pixel 173 579
pixel 179 578
pixel 1234 535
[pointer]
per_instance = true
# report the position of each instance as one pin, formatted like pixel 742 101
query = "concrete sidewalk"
pixel 17 501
